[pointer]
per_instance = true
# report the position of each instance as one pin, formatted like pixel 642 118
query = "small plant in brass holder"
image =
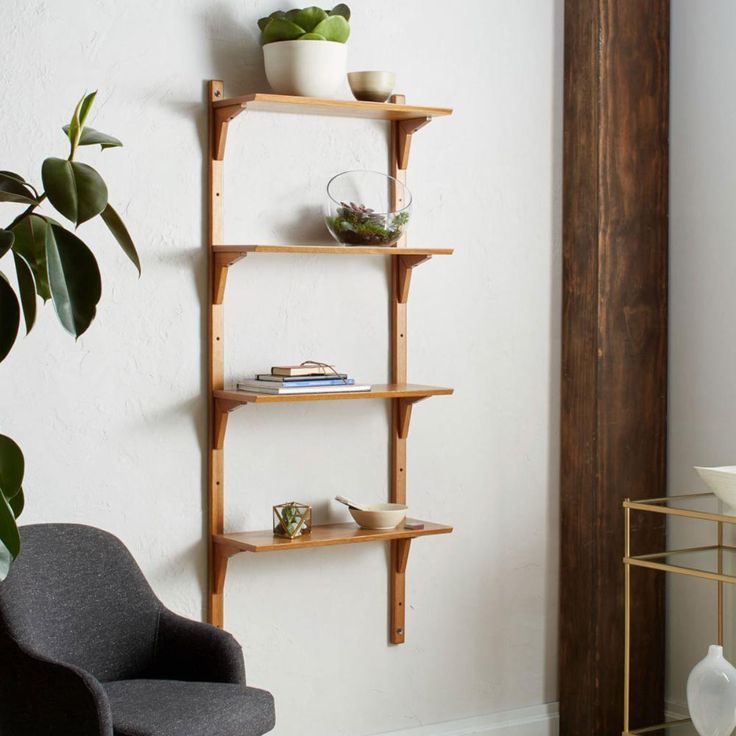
pixel 292 519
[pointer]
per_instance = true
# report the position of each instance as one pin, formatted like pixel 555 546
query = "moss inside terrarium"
pixel 356 224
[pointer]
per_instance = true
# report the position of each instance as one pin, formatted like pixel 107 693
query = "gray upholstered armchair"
pixel 86 649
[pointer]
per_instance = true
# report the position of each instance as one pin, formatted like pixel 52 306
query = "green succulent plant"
pixel 356 224
pixel 51 262
pixel 306 24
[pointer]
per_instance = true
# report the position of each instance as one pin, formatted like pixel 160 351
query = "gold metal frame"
pixel 653 562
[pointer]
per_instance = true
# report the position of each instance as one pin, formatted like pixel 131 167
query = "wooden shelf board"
pixel 378 391
pixel 336 250
pixel 337 108
pixel 323 535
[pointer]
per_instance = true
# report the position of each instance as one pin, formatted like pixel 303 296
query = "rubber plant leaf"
pixel 79 118
pixel 342 10
pixel 13 184
pixel 17 503
pixel 74 278
pixel 12 467
pixel 27 290
pixel 16 198
pixel 75 189
pixel 30 243
pixel 5 561
pixel 9 316
pixel 6 241
pixel 280 29
pixel 308 18
pixel 92 137
pixel 121 234
pixel 334 28
pixel 8 528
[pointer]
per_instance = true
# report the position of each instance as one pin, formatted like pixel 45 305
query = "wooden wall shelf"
pixel 406 118
pixel 331 250
pixel 404 121
pixel 323 535
pixel 378 391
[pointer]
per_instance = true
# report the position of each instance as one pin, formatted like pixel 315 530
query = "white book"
pixel 258 387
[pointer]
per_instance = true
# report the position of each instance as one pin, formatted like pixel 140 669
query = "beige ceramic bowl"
pixel 380 515
pixel 372 86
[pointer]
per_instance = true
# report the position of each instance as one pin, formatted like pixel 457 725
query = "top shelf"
pixel 335 108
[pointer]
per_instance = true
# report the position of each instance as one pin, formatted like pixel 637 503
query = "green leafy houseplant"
pixel 50 262
pixel 306 24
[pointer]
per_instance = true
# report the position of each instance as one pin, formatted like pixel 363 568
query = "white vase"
pixel 305 68
pixel 711 694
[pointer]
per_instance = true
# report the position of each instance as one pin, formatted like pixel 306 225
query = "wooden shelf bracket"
pixel 405 130
pixel 403 415
pixel 222 411
pixel 221 263
pixel 397 583
pixel 406 264
pixel 222 118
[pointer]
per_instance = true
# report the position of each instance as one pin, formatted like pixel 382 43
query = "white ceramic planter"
pixel 305 68
pixel 711 694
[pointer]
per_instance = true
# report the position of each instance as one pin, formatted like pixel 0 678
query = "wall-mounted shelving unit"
pixel 404 120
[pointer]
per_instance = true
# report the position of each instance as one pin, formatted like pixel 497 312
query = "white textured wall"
pixel 702 402
pixel 113 426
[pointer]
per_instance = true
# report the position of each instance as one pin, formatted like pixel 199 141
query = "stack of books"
pixel 302 379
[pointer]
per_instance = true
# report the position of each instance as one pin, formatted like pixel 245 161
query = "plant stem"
pixel 26 212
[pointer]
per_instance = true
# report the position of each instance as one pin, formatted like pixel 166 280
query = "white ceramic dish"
pixel 379 515
pixel 722 481
pixel 306 68
pixel 372 86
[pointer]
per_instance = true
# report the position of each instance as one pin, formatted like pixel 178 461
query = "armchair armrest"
pixel 189 650
pixel 44 697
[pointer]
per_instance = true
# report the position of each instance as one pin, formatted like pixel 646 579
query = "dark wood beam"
pixel 614 354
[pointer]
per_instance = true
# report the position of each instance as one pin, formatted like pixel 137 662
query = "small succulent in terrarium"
pixel 367 208
pixel 356 224
pixel 292 519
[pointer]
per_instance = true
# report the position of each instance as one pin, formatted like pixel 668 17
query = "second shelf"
pixel 323 535
pixel 378 391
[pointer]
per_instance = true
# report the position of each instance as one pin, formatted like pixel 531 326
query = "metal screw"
pixel 399 632
pixel 217 93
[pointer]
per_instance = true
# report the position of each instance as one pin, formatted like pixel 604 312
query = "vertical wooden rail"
pixel 216 578
pixel 397 571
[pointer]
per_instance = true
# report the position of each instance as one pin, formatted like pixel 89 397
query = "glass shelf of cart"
pixel 681 727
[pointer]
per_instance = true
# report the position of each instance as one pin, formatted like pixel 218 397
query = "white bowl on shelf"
pixel 722 481
pixel 379 516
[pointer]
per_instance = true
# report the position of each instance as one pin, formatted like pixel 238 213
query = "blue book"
pixel 305 383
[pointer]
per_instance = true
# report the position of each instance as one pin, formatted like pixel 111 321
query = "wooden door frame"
pixel 614 354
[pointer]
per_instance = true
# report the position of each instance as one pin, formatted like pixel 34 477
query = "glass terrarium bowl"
pixel 359 212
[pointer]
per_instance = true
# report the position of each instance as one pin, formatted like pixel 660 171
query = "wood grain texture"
pixel 378 391
pixel 614 362
pixel 333 250
pixel 335 108
pixel 326 535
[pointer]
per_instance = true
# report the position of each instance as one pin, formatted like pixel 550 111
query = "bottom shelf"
pixel 324 535
pixel 682 727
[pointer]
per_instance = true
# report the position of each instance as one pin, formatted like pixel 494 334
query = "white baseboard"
pixel 538 720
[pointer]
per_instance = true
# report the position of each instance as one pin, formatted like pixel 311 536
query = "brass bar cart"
pixel 706 562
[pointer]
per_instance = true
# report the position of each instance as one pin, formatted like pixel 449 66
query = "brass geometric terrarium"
pixel 292 519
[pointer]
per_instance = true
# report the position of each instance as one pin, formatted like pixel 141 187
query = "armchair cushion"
pixel 174 708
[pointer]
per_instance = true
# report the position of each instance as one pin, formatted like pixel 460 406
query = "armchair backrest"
pixel 75 594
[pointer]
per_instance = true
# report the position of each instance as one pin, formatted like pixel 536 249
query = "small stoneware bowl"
pixel 722 481
pixel 372 86
pixel 379 515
